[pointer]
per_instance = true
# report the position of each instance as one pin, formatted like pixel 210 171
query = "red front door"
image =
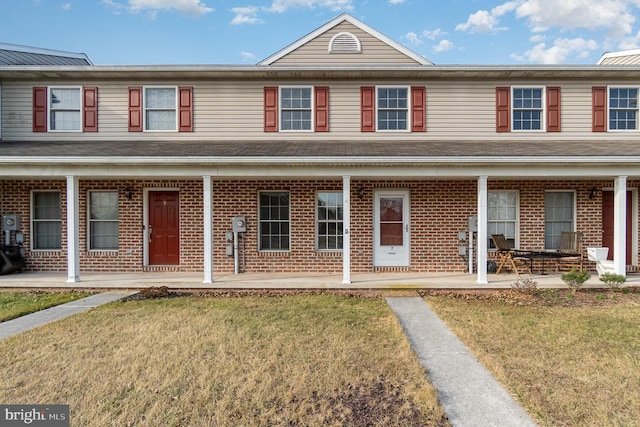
pixel 607 223
pixel 164 228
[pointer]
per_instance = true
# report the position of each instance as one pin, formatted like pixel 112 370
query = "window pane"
pixel 161 120
pixel 558 216
pixel 104 235
pixel 65 99
pixel 47 235
pixel 103 220
pixel 295 108
pixel 623 108
pixel 392 110
pixel 502 212
pixel 274 221
pixel 527 108
pixel 329 226
pixel 46 205
pixel 160 98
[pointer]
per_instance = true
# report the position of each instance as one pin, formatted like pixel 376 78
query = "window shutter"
pixel 503 107
pixel 367 109
pixel 90 109
pixel 39 109
pixel 271 109
pixel 185 109
pixel 418 109
pixel 321 108
pixel 135 109
pixel 599 109
pixel 553 109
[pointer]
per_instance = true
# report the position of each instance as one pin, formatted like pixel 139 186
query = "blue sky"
pixel 145 32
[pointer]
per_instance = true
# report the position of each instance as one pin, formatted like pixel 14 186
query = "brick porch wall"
pixel 439 209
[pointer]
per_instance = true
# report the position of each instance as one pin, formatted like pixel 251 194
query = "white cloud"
pixel 443 46
pixel 245 15
pixel 281 6
pixel 248 57
pixel 434 34
pixel 396 1
pixel 192 8
pixel 481 22
pixel 413 38
pixel 559 52
pixel 66 6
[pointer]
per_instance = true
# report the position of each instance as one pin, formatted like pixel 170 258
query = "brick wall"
pixel 439 209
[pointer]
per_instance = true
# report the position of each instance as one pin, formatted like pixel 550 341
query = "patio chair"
pixel 507 254
pixel 570 249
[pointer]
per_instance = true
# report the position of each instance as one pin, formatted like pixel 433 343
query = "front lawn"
pixel 18 303
pixel 570 359
pixel 301 359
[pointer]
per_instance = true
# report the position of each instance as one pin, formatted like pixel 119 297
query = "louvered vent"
pixel 344 43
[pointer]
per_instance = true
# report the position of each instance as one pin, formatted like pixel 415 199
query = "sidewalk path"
pixel 39 318
pixel 469 394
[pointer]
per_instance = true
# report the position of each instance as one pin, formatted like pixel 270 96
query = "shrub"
pixel 575 278
pixel 525 286
pixel 612 280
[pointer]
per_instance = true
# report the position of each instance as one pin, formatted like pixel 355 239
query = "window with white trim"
pixel 502 215
pixel 527 108
pixel 160 109
pixel 65 107
pixel 559 216
pixel 623 108
pixel 46 220
pixel 103 220
pixel 392 108
pixel 329 220
pixel 296 108
pixel 274 221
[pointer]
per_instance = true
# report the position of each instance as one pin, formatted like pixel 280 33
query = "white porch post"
pixel 481 246
pixel 207 198
pixel 73 240
pixel 346 226
pixel 620 225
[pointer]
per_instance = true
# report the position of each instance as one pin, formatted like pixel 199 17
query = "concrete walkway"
pixel 39 318
pixel 469 394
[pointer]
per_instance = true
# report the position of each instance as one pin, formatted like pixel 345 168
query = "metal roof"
pixel 17 55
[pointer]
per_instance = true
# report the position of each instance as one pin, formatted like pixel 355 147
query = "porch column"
pixel 207 198
pixel 73 240
pixel 620 225
pixel 346 225
pixel 481 243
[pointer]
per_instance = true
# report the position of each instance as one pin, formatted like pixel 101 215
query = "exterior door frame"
pixel 145 219
pixel 634 224
pixel 403 259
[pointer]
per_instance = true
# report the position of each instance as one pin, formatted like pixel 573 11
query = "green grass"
pixel 569 366
pixel 16 304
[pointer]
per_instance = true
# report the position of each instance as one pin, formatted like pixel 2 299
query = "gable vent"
pixel 344 43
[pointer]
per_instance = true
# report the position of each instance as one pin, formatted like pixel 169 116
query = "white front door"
pixel 391 228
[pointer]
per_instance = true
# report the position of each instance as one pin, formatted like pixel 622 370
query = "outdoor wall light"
pixel 593 193
pixel 361 193
pixel 127 193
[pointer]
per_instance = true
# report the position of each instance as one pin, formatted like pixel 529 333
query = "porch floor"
pixel 288 280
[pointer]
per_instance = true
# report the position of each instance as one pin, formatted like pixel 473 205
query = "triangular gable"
pixel 624 57
pixel 344 33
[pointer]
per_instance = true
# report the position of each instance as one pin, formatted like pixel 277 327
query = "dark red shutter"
pixel 503 109
pixel 185 109
pixel 39 109
pixel 367 109
pixel 553 109
pixel 599 109
pixel 321 108
pixel 418 109
pixel 90 109
pixel 135 109
pixel 271 109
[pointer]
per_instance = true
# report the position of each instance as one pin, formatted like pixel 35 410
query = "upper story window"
pixel 300 108
pixel 296 108
pixel 161 109
pixel 65 106
pixel 528 109
pixel 65 109
pixel 393 108
pixel 623 108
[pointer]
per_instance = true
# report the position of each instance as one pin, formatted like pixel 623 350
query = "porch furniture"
pixel 570 251
pixel 508 254
pixel 10 259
